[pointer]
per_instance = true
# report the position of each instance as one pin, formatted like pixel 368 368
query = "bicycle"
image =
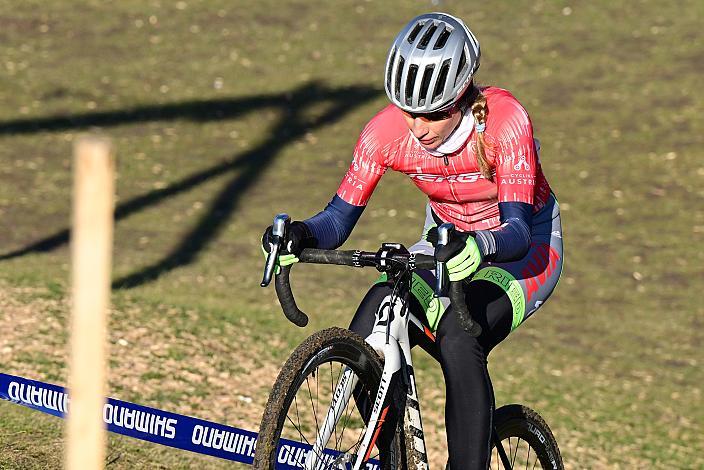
pixel 377 372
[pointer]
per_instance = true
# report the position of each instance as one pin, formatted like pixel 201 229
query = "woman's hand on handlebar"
pixel 297 237
pixel 461 255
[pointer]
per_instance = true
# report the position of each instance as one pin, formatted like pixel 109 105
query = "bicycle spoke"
pixel 332 388
pixel 528 456
pixel 347 414
pixel 510 449
pixel 359 442
pixel 518 444
pixel 316 375
pixel 356 444
pixel 299 426
pixel 315 414
pixel 317 399
pixel 358 398
pixel 303 438
pixel 324 398
pixel 298 416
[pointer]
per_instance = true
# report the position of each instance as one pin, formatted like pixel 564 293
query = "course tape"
pixel 160 427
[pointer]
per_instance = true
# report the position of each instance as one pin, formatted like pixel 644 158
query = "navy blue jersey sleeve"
pixel 510 241
pixel 334 224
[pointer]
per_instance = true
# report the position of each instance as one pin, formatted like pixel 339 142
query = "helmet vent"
pixel 461 67
pixel 410 83
pixel 442 79
pixel 414 33
pixel 442 40
pixel 425 40
pixel 425 84
pixel 390 67
pixel 397 82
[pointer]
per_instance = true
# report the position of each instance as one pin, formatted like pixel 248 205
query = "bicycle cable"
pixel 394 296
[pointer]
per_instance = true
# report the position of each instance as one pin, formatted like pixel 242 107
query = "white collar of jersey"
pixel 456 139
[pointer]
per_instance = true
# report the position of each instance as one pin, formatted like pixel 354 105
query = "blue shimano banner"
pixel 160 427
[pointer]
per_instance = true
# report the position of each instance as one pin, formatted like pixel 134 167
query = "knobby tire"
pixel 526 439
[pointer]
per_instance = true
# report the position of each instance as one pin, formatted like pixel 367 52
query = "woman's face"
pixel 432 129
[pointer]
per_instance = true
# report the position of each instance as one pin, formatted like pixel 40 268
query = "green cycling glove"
pixel 461 256
pixel 284 260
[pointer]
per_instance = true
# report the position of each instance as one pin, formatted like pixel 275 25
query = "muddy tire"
pixel 526 439
pixel 293 394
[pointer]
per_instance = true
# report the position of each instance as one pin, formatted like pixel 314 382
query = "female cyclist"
pixel 471 150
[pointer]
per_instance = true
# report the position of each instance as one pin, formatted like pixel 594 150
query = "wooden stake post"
pixel 91 247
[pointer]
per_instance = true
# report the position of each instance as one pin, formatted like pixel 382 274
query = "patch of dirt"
pixel 219 378
pixel 32 336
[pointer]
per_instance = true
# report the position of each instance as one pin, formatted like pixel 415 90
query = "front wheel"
pixel 318 408
pixel 526 440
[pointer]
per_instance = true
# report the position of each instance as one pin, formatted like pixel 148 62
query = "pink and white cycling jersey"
pixel 457 192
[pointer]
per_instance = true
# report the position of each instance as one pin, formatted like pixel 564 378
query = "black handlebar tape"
pixel 459 304
pixel 425 261
pixel 288 303
pixel 318 256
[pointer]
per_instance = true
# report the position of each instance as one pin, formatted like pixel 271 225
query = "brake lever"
pixel 279 228
pixel 444 232
pixel 456 292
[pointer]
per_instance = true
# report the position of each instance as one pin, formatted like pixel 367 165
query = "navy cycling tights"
pixel 470 396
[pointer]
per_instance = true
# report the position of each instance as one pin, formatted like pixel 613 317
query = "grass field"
pixel 225 113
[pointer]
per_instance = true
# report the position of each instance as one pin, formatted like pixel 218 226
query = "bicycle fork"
pixel 341 397
pixel 392 344
pixel 343 392
pixel 392 362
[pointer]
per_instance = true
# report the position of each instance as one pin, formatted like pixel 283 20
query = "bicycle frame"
pixel 390 339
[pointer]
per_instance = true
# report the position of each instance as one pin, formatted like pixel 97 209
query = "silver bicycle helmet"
pixel 431 63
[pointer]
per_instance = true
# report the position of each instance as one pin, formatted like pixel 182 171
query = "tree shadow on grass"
pixel 291 125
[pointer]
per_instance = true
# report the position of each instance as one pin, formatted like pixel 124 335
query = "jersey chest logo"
pixel 461 178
